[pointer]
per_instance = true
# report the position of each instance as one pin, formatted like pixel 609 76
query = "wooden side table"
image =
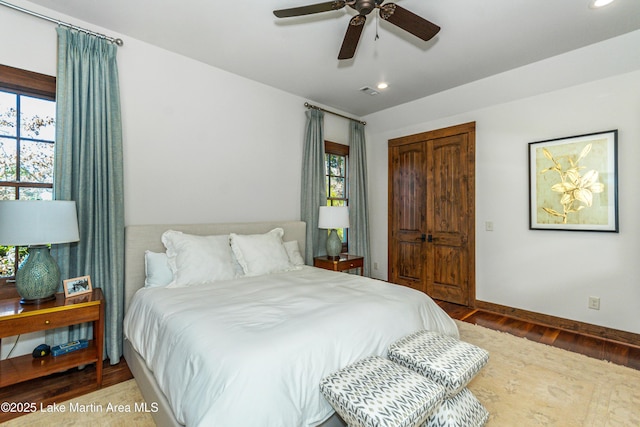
pixel 16 318
pixel 344 262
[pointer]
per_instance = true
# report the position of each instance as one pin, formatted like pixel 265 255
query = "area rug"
pixel 118 405
pixel 524 384
pixel 532 384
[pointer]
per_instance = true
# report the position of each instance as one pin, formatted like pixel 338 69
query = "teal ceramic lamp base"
pixel 38 276
pixel 334 244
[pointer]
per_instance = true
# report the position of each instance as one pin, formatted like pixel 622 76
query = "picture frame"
pixel 573 183
pixel 77 286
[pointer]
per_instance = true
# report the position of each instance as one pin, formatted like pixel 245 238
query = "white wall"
pixel 204 145
pixel 200 144
pixel 550 272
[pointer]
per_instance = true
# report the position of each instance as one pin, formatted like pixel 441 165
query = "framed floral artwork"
pixel 573 183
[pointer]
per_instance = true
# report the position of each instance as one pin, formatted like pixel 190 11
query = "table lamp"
pixel 332 217
pixel 36 224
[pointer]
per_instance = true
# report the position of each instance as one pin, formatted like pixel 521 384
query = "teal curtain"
pixel 89 170
pixel 313 190
pixel 358 200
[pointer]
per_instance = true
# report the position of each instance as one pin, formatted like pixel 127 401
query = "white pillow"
pixel 195 260
pixel 260 253
pixel 293 251
pixel 156 269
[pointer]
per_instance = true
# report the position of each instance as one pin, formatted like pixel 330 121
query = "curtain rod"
pixel 118 42
pixel 315 107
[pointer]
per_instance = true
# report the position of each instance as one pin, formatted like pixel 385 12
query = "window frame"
pixel 337 149
pixel 28 83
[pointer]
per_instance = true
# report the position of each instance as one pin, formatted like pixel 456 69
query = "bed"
pixel 251 350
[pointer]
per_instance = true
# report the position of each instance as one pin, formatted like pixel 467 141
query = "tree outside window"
pixel 337 181
pixel 27 135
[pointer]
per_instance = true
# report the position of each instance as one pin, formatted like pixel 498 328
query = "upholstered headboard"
pixel 139 238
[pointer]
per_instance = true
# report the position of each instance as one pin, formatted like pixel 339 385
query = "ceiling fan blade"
pixel 408 21
pixel 308 10
pixel 351 38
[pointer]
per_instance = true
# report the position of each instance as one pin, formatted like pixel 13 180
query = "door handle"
pixel 429 238
pixel 422 237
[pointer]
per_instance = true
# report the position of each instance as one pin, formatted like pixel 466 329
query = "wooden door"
pixel 432 213
pixel 407 213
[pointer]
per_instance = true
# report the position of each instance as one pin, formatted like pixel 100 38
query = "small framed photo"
pixel 574 183
pixel 77 286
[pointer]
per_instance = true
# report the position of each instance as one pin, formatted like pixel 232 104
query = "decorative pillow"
pixel 195 260
pixel 293 251
pixel 156 269
pixel 260 253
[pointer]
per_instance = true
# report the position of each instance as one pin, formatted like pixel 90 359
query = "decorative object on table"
pixel 331 218
pixel 36 224
pixel 41 351
pixel 77 286
pixel 573 183
pixel 69 347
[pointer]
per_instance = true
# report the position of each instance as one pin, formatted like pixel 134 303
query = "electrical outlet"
pixel 594 303
pixel 488 225
pixel 375 265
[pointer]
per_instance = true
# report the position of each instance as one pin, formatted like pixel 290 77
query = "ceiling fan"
pixel 390 12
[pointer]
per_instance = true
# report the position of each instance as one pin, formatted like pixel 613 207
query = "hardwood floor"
pixel 73 383
pixel 63 386
pixel 603 349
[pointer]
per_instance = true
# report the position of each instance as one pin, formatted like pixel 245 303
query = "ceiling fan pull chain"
pixel 377 20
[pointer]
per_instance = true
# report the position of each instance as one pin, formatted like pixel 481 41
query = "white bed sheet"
pixel 251 351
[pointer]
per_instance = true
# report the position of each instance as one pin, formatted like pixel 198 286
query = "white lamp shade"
pixel 333 217
pixel 38 222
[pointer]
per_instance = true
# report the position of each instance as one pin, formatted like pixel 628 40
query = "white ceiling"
pixel 479 38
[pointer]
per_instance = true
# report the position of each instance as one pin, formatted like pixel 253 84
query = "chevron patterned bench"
pixel 451 363
pixel 375 392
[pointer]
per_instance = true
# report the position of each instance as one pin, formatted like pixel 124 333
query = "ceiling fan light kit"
pixel 390 12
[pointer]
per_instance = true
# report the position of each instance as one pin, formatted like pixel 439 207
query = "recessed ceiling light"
pixel 382 85
pixel 595 4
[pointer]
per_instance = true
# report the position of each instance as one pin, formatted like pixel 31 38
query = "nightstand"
pixel 16 318
pixel 345 262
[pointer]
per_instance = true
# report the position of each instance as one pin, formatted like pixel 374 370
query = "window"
pixel 27 135
pixel 337 181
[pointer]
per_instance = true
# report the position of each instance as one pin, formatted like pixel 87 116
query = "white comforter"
pixel 252 351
